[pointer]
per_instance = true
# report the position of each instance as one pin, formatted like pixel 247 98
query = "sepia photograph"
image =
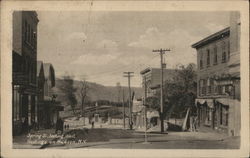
pixel 126 79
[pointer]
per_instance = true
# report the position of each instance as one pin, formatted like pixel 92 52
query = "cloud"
pixel 108 46
pixel 151 39
pixel 94 59
pixel 179 42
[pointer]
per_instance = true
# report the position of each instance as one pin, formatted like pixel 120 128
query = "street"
pixel 127 139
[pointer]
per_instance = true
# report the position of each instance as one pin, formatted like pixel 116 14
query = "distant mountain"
pixel 100 92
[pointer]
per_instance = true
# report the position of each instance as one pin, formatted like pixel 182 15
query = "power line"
pixel 121 68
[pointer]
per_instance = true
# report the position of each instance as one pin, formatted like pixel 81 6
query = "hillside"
pixel 100 92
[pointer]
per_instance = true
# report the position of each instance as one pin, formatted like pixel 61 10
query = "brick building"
pixel 218 78
pixel 152 77
pixel 151 80
pixel 24 53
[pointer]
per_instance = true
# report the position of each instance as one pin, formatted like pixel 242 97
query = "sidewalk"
pixel 20 141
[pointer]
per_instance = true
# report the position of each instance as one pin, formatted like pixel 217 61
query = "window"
pixel 223 59
pixel 31 37
pixel 208 86
pixel 25 31
pixel 28 33
pixel 208 58
pixel 34 39
pixel 202 87
pixel 216 90
pixel 223 47
pixel 201 64
pixel 201 60
pixel 215 55
pixel 212 89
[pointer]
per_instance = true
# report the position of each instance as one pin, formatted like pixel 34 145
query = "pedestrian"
pixel 195 124
pixel 59 125
pixel 93 124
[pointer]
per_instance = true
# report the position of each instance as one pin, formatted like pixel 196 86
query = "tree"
pixel 83 94
pixel 68 91
pixel 179 92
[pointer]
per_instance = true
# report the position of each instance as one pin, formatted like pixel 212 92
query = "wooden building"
pixel 48 107
pixel 24 58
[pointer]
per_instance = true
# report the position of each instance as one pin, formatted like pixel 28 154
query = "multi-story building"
pixel 151 81
pixel 152 77
pixel 218 78
pixel 24 53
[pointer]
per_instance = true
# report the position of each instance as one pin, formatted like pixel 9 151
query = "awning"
pixel 151 114
pixel 224 101
pixel 200 101
pixel 210 102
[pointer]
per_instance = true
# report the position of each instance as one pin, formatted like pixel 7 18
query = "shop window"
pixel 224 115
pixel 16 104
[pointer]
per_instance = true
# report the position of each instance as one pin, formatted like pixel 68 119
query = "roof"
pixel 49 72
pixel 216 36
pixel 145 70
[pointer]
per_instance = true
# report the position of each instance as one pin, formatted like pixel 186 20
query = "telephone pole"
pixel 129 75
pixel 161 51
pixel 123 108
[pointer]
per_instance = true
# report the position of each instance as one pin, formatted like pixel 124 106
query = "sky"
pixel 99 46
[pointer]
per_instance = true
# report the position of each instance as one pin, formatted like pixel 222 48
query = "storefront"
pixel 222 114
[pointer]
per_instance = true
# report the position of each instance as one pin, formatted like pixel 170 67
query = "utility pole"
pixel 161 51
pixel 123 108
pixel 145 110
pixel 129 75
